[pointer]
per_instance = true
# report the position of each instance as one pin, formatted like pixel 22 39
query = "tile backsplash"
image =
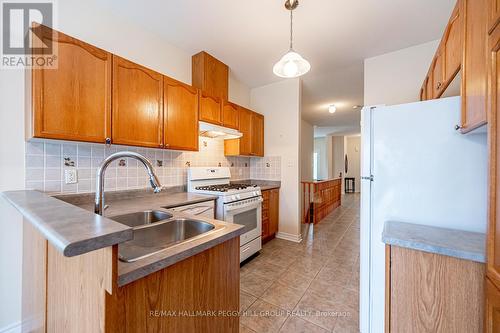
pixel 266 168
pixel 47 160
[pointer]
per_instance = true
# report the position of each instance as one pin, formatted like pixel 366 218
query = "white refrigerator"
pixel 416 168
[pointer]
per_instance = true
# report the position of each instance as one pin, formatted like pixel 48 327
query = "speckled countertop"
pixel 74 229
pixel 123 204
pixel 449 242
pixel 70 229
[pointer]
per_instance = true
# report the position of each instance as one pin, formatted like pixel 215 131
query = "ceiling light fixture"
pixel 291 64
pixel 332 108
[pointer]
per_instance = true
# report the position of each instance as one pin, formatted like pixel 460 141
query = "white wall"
pixel 338 151
pixel 320 149
pixel 396 77
pixel 306 150
pixel 280 104
pixel 11 178
pixel 87 21
pixel 353 149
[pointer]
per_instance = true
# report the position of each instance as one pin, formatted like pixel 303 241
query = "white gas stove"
pixel 236 203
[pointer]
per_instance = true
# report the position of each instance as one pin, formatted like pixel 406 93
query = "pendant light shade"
pixel 291 64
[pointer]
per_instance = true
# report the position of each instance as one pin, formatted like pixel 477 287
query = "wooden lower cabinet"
pixel 168 300
pixel 492 309
pixel 427 292
pixel 80 294
pixel 270 214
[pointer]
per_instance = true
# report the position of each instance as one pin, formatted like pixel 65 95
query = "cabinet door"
pixel 210 75
pixel 137 105
pixel 274 206
pixel 428 87
pixel 453 44
pixel 210 109
pixel 246 129
pixel 492 322
pixel 438 74
pixel 180 106
pixel 494 13
pixel 474 70
pixel 73 101
pixel 493 245
pixel 230 115
pixel 257 134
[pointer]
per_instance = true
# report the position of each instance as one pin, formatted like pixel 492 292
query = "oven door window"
pixel 247 218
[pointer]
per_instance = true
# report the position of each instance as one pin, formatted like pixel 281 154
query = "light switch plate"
pixel 70 176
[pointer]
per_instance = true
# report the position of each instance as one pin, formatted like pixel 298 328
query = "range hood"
pixel 215 131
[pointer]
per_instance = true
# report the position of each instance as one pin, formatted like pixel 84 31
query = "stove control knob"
pixel 238 196
pixel 233 197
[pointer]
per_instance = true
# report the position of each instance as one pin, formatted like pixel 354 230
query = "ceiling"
pixel 334 35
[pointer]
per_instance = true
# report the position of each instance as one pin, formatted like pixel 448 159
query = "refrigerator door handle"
pixel 370 178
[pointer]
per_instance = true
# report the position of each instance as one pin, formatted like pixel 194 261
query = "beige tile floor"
pixel 308 287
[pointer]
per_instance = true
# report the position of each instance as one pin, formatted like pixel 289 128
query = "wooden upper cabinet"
pixel 180 107
pixel 257 134
pixel 210 75
pixel 252 141
pixel 429 91
pixel 494 14
pixel 210 108
pixel 474 67
pixel 230 115
pixel 437 75
pixel 245 142
pixel 73 101
pixel 137 105
pixel 453 45
pixel 493 239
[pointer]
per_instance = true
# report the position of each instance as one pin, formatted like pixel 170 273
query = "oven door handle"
pixel 231 207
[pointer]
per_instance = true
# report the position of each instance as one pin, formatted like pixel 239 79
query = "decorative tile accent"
pixel 46 161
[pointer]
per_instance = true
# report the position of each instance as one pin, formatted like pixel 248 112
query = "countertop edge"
pixel 430 246
pixel 156 266
pixel 191 202
pixel 67 248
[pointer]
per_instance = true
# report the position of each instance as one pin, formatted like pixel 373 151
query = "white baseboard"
pixel 12 328
pixel 289 237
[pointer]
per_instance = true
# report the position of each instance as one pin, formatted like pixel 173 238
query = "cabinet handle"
pixel 108 141
pixel 439 84
pixel 458 127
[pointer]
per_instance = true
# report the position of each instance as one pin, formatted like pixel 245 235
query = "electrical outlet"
pixel 70 176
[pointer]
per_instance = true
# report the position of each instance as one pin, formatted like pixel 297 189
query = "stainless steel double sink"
pixel 155 231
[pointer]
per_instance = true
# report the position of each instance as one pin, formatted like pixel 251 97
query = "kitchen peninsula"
pixel 74 281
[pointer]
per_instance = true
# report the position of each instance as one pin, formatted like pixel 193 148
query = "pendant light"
pixel 291 64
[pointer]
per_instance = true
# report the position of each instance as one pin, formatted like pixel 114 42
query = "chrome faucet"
pixel 99 189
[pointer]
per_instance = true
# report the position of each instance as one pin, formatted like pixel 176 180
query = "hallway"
pixel 308 287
